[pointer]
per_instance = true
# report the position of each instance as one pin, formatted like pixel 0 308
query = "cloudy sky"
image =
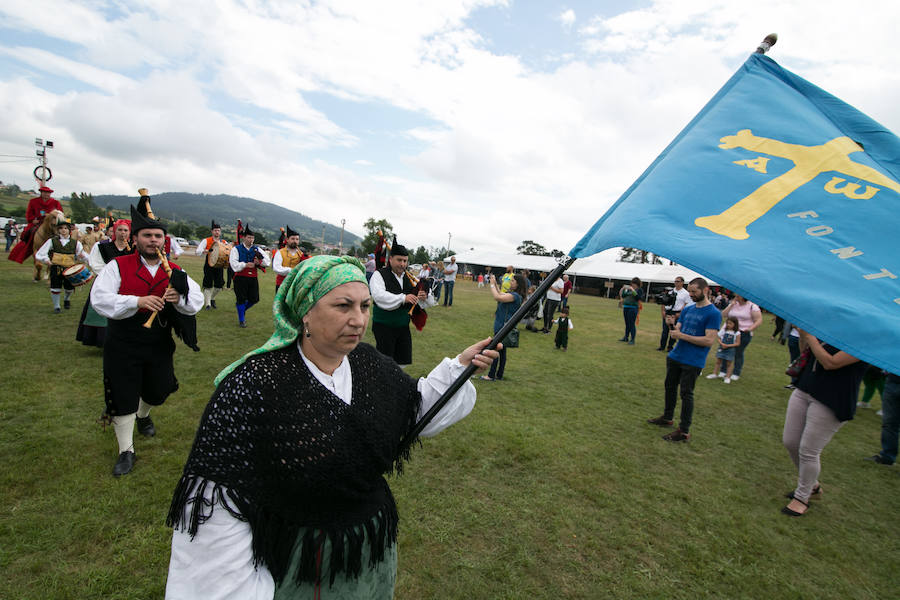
pixel 492 121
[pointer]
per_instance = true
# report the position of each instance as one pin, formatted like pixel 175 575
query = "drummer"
pixel 213 276
pixel 60 253
pixel 92 326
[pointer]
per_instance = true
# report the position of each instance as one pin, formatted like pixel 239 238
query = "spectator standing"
pixel 563 325
pixel 567 289
pixel 450 270
pixel 729 339
pixel 11 233
pixel 370 266
pixel 437 272
pixel 890 421
pixel 630 297
pixel 695 333
pixel 682 299
pixel 824 400
pixel 507 278
pixel 873 380
pixel 507 305
pixel 554 294
pixel 749 316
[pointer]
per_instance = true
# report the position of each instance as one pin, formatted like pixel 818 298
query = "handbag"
pixel 796 367
pixel 512 339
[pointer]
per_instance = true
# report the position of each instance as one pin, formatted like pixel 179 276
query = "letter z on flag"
pixel 785 194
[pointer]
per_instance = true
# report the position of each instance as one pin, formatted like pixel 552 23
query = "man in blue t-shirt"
pixel 696 331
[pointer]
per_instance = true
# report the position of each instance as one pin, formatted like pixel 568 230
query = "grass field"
pixel 554 487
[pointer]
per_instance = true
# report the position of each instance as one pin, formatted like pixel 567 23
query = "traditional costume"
pixel 138 371
pixel 286 258
pixel 283 494
pixel 245 261
pixel 213 277
pixel 38 208
pixel 92 326
pixel 391 312
pixel 173 248
pixel 61 252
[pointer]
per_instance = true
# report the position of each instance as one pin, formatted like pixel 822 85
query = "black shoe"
pixel 67 304
pixel 145 426
pixel 878 459
pixel 661 420
pixel 57 311
pixel 207 307
pixel 242 325
pixel 623 339
pixel 124 464
pixel 677 436
pixel 660 349
pixel 212 303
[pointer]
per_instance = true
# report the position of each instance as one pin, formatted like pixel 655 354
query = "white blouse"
pixel 218 563
pixel 107 301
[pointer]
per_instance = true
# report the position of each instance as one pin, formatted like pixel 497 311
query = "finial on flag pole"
pixel 767 43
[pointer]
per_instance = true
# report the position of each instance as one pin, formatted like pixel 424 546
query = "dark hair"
pixel 564 309
pixel 521 285
pixel 737 324
pixel 636 280
pixel 699 282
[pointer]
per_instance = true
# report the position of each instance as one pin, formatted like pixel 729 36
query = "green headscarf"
pixel 300 290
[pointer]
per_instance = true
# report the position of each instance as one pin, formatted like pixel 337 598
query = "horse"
pixel 89 239
pixel 45 231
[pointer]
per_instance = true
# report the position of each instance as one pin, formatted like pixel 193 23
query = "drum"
pixel 218 255
pixel 62 260
pixel 78 274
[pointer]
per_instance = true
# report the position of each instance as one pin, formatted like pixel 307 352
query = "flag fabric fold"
pixel 784 193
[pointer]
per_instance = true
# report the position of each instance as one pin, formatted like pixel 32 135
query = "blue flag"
pixel 785 194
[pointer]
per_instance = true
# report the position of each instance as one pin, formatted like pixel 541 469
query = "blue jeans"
pixel 683 377
pixel 890 419
pixel 448 293
pixel 9 242
pixel 438 283
pixel 497 367
pixel 630 313
pixel 739 352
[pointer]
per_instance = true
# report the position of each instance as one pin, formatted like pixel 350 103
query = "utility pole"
pixel 341 243
pixel 449 235
pixel 323 238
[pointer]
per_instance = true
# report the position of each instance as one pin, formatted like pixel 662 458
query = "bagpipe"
pixel 417 314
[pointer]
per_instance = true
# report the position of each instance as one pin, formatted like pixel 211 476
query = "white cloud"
pixel 232 97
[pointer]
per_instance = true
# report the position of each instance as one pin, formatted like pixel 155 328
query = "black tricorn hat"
pixel 214 225
pixel 248 231
pixel 288 232
pixel 143 217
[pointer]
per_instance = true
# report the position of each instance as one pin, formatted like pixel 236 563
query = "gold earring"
pixel 306 330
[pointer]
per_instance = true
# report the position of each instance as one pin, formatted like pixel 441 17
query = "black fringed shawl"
pixel 285 454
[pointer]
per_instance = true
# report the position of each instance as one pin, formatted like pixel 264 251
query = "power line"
pixel 16 156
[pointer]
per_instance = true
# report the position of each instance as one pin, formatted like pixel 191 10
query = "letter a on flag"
pixel 785 194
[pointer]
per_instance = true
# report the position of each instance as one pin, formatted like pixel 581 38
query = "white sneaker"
pixel 864 404
pixel 711 376
pixel 721 375
pixel 727 380
pixel 735 377
pixel 880 413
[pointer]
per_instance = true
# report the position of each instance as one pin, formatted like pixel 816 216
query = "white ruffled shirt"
pixel 218 563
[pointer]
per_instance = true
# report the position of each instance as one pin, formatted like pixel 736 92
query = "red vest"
pixel 136 279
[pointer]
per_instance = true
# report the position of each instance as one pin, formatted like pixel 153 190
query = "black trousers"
pixel 246 290
pixel 133 371
pixel 680 376
pixel 395 342
pixel 212 277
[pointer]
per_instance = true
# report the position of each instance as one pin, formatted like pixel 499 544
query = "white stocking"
pixel 124 427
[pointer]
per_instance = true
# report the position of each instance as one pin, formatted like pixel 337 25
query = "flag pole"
pixel 767 43
pixel 564 263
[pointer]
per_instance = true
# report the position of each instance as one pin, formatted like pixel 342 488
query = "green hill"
pixel 226 210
